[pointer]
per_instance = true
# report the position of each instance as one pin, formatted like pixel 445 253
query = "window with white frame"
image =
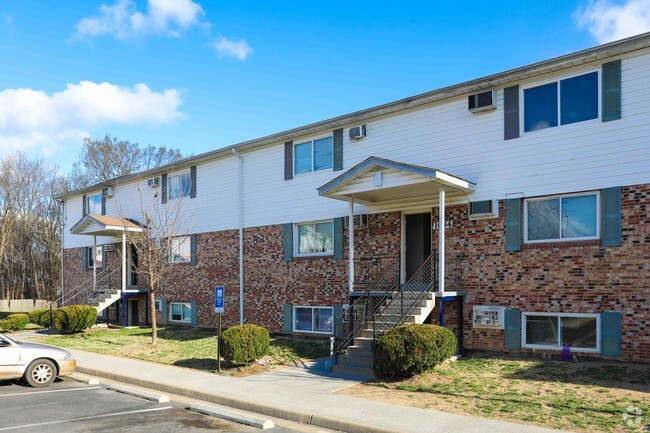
pixel 96 259
pixel 180 249
pixel 94 204
pixel 556 330
pixel 178 186
pixel 562 102
pixel 313 155
pixel 180 312
pixel 157 304
pixel 562 218
pixel 314 238
pixel 313 319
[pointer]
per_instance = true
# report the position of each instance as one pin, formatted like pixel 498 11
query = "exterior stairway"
pixel 100 295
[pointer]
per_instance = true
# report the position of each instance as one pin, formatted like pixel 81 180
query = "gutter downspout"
pixel 241 235
pixel 62 251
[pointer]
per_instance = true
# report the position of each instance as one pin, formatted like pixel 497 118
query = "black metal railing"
pixel 108 282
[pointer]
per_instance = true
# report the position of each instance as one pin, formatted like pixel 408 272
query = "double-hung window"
pixel 313 155
pixel 314 238
pixel 313 319
pixel 561 102
pixel 555 330
pixel 562 218
pixel 96 259
pixel 180 312
pixel 94 204
pixel 180 249
pixel 178 186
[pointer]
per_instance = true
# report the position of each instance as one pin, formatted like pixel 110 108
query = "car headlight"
pixel 68 357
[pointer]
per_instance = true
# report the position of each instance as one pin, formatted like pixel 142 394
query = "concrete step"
pixel 362 342
pixel 360 351
pixel 356 361
pixel 353 372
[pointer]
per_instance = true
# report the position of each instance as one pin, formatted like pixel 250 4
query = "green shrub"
pixel 244 344
pixel 74 318
pixel 408 350
pixel 15 322
pixel 40 317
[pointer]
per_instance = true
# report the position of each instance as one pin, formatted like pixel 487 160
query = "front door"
pixel 133 313
pixel 417 241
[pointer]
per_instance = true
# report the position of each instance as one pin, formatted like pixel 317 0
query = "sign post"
pixel 219 294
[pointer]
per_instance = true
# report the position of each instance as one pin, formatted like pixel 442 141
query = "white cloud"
pixel 238 49
pixel 33 119
pixel 608 22
pixel 122 20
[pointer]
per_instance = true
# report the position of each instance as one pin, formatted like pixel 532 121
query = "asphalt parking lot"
pixel 68 406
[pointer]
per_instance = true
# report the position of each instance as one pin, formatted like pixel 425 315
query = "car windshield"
pixel 4 337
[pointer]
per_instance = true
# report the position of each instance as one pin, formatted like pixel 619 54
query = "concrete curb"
pixel 159 398
pixel 259 423
pixel 247 405
pixel 88 380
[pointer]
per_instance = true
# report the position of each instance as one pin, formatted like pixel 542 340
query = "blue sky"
pixel 199 75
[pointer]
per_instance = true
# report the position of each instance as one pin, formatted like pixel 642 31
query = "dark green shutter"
pixel 193 181
pixel 83 205
pixel 611 216
pixel 287 325
pixel 163 311
pixel 84 259
pixel 338 321
pixel 513 224
pixel 611 91
pixel 194 312
pixel 610 333
pixel 512 329
pixel 511 112
pixel 288 242
pixel 338 238
pixel 193 249
pixel 104 194
pixel 338 149
pixel 288 160
pixel 163 188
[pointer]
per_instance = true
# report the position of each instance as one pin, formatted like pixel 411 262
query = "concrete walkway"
pixel 302 394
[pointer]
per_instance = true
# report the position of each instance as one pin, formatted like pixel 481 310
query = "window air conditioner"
pixel 482 101
pixel 483 209
pixel 153 182
pixel 108 192
pixel 488 316
pixel 357 132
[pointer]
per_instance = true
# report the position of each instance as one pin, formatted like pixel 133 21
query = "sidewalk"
pixel 300 394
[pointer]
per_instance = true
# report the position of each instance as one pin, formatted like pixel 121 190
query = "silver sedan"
pixel 37 364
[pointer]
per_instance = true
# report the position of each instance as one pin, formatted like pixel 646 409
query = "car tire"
pixel 40 373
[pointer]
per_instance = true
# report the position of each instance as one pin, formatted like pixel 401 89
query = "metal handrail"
pixel 87 292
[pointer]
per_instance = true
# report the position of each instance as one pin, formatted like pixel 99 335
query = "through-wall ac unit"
pixel 482 101
pixel 360 222
pixel 357 132
pixel 108 247
pixel 153 182
pixel 108 192
pixel 483 209
pixel 488 316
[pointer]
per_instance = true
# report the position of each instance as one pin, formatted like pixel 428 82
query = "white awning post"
pixel 441 241
pixel 351 244
pixel 94 256
pixel 123 261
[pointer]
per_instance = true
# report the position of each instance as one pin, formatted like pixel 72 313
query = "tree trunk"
pixel 152 313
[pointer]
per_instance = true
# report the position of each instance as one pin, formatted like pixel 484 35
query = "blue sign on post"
pixel 219 293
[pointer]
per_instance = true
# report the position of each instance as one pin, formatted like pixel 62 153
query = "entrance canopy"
pixel 102 225
pixel 383 181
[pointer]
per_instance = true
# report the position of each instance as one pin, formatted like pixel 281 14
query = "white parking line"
pixel 63 421
pixel 48 391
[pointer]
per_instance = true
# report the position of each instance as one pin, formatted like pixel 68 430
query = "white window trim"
pixel 557 79
pixel 313 160
pixel 560 197
pixel 312 308
pixel 559 339
pixel 188 304
pixel 88 197
pixel 158 305
pixel 171 250
pixel 89 252
pixel 296 239
pixel 169 180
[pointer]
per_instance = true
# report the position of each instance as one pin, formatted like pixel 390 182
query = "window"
pixel 180 249
pixel 313 319
pixel 180 312
pixel 314 238
pixel 564 218
pixel 94 204
pixel 553 331
pixel 313 155
pixel 178 186
pixel 561 102
pixel 95 259
pixel 157 304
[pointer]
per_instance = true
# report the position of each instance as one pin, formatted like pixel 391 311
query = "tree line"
pixel 31 217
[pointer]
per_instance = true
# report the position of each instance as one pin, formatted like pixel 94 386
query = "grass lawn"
pixel 185 347
pixel 581 397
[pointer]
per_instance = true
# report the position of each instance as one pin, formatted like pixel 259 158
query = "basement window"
pixel 318 320
pixel 554 330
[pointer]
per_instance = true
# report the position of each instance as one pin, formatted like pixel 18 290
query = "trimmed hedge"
pixel 74 318
pixel 244 344
pixel 15 322
pixel 40 317
pixel 408 350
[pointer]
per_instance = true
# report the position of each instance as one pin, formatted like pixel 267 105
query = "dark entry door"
pixel 133 312
pixel 418 241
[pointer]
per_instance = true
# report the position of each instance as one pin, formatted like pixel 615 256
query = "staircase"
pixel 383 306
pixel 101 295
